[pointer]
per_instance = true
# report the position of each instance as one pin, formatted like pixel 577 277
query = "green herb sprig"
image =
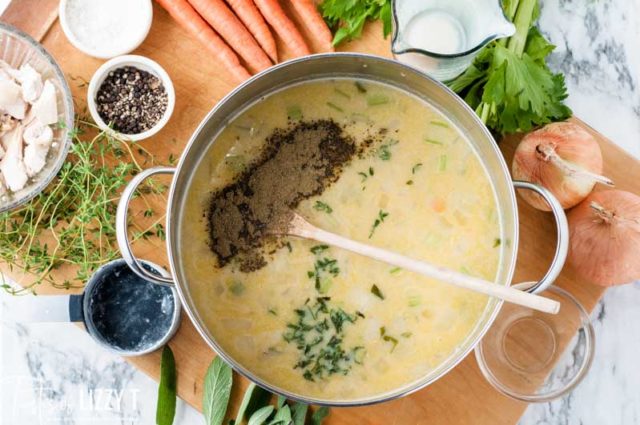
pixel 318 334
pixel 72 222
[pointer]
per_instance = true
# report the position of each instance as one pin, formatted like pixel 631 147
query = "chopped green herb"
pixel 321 206
pixel 465 270
pixel 294 113
pixel 364 176
pixel 273 312
pixel 409 182
pixel 406 334
pixel 334 106
pixel 442 163
pixel 148 212
pixel 289 247
pixel 323 269
pixel 388 338
pixel 381 216
pixel 360 86
pixel 172 159
pixel 376 99
pixel 416 167
pixel 318 249
pixel 318 334
pixel 371 171
pixel 432 141
pixel 497 242
pixel 395 270
pixel 376 291
pixel 342 93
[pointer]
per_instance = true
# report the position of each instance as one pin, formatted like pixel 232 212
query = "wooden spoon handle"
pixel 442 274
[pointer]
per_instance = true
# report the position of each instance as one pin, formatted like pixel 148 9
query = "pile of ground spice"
pixel 296 164
pixel 131 100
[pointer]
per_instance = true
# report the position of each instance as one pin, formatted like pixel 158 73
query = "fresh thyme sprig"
pixel 72 222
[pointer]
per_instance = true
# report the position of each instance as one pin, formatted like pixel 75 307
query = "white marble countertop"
pixel 55 374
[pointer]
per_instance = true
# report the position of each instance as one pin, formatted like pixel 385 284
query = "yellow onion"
pixel 604 238
pixel 562 157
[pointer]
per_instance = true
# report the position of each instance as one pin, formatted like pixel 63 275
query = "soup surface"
pixel 325 323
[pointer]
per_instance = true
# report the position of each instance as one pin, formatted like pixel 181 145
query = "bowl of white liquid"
pixel 442 37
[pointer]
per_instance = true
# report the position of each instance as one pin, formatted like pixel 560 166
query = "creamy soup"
pixel 326 323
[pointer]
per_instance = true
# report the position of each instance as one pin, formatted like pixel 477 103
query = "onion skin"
pixel 562 157
pixel 604 238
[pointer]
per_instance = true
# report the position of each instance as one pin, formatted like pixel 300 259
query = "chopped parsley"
pixel 497 242
pixel 416 168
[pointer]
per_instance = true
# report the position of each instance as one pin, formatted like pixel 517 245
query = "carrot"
pixel 253 20
pixel 311 17
pixel 223 20
pixel 281 23
pixel 189 19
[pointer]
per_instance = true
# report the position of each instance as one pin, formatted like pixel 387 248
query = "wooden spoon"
pixel 300 227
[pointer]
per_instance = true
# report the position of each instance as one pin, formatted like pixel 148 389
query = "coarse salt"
pixel 105 27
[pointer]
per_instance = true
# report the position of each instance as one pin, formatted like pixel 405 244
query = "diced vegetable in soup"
pixel 329 324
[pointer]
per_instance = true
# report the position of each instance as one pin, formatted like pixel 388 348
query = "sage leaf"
pixel 280 402
pixel 319 415
pixel 282 417
pixel 166 407
pixel 254 398
pixel 261 415
pixel 217 389
pixel 245 403
pixel 299 413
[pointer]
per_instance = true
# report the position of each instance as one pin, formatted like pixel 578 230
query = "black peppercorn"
pixel 131 100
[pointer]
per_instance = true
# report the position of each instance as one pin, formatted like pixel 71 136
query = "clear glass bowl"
pixel 537 357
pixel 17 48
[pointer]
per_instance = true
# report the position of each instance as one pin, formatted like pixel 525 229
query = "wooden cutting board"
pixel 462 396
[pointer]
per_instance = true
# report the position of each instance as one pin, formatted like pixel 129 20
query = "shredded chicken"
pixel 28 107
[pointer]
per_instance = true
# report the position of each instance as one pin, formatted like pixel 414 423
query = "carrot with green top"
pixel 188 18
pixel 253 20
pixel 280 22
pixel 309 14
pixel 227 24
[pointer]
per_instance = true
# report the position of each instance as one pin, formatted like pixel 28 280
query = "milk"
pixel 435 31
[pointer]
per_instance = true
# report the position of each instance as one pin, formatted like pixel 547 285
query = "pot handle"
pixel 121 226
pixel 562 229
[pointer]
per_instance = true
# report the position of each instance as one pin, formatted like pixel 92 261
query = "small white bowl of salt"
pixel 106 28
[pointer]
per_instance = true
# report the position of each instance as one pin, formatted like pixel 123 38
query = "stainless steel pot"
pixel 361 67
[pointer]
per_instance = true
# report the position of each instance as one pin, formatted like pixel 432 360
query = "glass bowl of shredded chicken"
pixel 36 117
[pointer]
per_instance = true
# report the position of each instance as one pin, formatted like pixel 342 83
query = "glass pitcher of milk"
pixel 441 37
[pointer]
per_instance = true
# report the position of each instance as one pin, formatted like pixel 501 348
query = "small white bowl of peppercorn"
pixel 131 96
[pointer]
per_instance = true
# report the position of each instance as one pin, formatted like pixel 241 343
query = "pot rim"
pixel 420 382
